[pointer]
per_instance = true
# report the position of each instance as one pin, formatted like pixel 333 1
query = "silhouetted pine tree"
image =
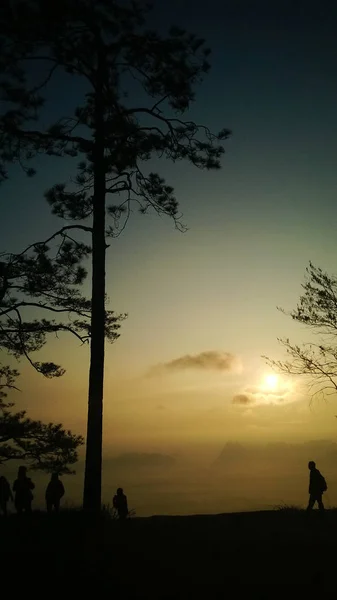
pixel 139 86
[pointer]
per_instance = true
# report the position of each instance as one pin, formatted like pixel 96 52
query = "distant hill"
pixel 275 458
pixel 142 459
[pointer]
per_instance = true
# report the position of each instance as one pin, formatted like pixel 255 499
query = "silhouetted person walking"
pixel 317 487
pixel 54 493
pixel 22 488
pixel 5 494
pixel 120 503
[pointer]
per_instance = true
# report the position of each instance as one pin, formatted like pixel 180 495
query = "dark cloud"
pixel 243 399
pixel 211 360
pixel 259 396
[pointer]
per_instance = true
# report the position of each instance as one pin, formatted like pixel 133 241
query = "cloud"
pixel 243 399
pixel 258 397
pixel 280 392
pixel 211 360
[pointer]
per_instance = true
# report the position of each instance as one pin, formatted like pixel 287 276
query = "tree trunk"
pixel 93 463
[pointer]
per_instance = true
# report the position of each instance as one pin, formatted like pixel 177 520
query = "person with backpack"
pixel 317 487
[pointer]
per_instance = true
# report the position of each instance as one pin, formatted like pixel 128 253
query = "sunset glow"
pixel 271 382
pixel 185 383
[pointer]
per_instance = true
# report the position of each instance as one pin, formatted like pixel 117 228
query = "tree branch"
pixel 38 305
pixel 86 145
pixel 60 232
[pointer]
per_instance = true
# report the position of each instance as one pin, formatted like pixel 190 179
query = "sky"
pixel 202 304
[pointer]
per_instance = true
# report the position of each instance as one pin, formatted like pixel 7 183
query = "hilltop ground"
pixel 263 554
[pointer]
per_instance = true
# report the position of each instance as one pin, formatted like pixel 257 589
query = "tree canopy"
pixel 139 85
pixel 44 446
pixel 317 310
pixel 40 294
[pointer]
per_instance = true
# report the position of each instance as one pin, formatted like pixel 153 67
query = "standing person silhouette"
pixel 5 494
pixel 54 493
pixel 317 486
pixel 120 503
pixel 22 488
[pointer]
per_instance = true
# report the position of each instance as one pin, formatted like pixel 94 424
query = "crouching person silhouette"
pixel 317 487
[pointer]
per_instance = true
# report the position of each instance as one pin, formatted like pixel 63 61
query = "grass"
pixel 288 508
pixel 260 553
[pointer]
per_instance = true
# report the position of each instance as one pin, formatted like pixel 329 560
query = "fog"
pixel 238 477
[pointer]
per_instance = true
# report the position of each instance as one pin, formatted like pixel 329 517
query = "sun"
pixel 271 382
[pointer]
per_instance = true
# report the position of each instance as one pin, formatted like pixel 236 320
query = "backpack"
pixel 324 484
